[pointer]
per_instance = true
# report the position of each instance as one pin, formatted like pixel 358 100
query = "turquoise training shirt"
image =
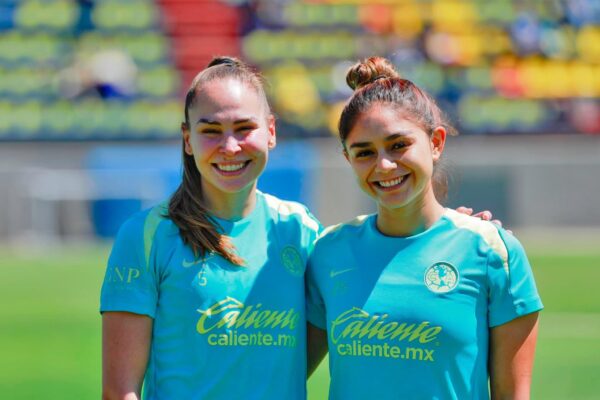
pixel 220 331
pixel 409 318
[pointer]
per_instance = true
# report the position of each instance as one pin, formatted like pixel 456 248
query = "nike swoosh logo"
pixel 187 264
pixel 333 274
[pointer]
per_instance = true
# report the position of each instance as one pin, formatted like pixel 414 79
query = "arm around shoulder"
pixel 126 341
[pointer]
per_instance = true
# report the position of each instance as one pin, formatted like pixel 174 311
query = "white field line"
pixel 559 325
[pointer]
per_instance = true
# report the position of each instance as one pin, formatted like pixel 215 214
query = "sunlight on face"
pixel 230 135
pixel 392 157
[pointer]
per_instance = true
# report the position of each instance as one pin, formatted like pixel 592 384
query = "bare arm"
pixel 125 347
pixel 512 349
pixel 316 346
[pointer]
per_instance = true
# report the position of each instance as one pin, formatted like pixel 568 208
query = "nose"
pixel 384 164
pixel 230 145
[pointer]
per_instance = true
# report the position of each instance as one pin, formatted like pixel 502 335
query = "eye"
pixel 398 146
pixel 245 128
pixel 363 153
pixel 210 131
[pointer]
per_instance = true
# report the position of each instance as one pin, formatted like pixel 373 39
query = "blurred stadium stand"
pixel 85 70
pixel 75 73
pixel 496 66
pixel 115 70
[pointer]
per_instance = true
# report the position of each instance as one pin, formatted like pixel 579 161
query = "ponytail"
pixel 186 207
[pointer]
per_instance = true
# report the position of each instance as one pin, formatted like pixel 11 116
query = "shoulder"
pixel 143 227
pixel 343 231
pixel 141 232
pixel 148 220
pixel 337 244
pixel 487 233
pixel 290 211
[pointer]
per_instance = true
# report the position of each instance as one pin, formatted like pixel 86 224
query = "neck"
pixel 231 206
pixel 410 219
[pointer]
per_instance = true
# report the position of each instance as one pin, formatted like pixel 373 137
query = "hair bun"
pixel 368 71
pixel 225 60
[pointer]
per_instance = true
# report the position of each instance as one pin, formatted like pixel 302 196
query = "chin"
pixel 232 189
pixel 236 187
pixel 393 203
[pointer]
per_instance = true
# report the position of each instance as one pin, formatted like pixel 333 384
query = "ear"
pixel 187 146
pixel 437 141
pixel 272 131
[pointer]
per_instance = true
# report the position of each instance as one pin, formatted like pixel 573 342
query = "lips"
pixel 390 184
pixel 231 168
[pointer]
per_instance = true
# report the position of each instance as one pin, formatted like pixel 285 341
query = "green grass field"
pixel 50 327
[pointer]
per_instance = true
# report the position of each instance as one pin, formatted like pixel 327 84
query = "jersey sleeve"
pixel 315 306
pixel 512 290
pixel 130 283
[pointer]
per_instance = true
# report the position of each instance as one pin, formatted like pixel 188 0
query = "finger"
pixel 484 215
pixel 497 222
pixel 465 210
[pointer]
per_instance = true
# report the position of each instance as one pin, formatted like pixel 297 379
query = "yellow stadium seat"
pixel 56 14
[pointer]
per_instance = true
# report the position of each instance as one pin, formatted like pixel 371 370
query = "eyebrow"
pixel 390 138
pixel 237 121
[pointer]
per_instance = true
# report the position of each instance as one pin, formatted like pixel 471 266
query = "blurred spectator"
pixel 84 22
pixel 525 31
pixel 540 53
pixel 108 74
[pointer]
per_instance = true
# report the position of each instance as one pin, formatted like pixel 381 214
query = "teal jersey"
pixel 220 331
pixel 409 318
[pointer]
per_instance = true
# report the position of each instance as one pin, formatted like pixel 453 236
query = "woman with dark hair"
pixel 415 301
pixel 203 296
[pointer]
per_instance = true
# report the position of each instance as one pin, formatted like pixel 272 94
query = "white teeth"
pixel 391 183
pixel 230 167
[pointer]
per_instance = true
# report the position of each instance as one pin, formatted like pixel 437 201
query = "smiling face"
pixel 393 157
pixel 230 134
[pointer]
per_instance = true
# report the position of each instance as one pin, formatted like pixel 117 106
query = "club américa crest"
pixel 292 260
pixel 441 277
